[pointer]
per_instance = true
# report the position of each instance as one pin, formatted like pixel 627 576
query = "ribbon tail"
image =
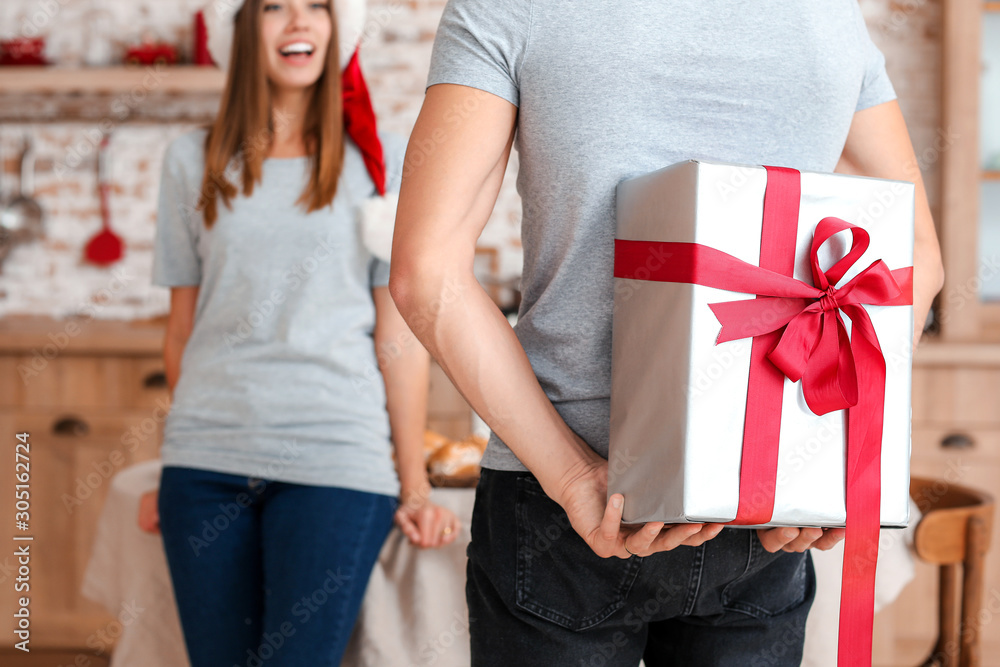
pixel 798 343
pixel 830 380
pixel 749 318
pixel 864 480
pixel 903 278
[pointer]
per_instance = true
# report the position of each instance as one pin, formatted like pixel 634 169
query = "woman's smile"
pixel 297 53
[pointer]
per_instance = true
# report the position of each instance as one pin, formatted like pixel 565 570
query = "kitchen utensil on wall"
pixel 99 31
pixel 7 238
pixel 12 220
pixel 7 243
pixel 106 247
pixel 26 219
pixel 3 199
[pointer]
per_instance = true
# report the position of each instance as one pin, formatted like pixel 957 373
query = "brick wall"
pixel 48 277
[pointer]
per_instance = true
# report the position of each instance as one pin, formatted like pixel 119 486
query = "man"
pixel 595 93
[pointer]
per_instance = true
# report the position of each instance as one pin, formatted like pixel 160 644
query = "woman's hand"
pixel 800 539
pixel 597 519
pixel 149 515
pixel 425 524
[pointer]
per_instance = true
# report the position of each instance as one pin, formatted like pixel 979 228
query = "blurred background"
pixel 92 91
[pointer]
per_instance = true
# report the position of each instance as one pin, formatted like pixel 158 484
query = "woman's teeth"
pixel 297 49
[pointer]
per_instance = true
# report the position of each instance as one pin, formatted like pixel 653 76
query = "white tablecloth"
pixel 128 568
pixel 414 610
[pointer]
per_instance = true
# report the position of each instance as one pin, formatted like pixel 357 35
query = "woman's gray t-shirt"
pixel 610 90
pixel 279 378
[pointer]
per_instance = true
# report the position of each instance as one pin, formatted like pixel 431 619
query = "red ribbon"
pixel 798 332
pixel 359 121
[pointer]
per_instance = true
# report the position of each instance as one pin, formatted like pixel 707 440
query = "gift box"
pixel 753 309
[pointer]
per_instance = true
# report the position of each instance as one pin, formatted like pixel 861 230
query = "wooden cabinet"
pixel 969 307
pixel 91 403
pixel 90 407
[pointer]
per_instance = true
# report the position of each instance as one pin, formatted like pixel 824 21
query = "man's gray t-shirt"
pixel 279 378
pixel 611 90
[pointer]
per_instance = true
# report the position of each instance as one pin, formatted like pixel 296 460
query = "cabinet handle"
pixel 155 380
pixel 70 426
pixel 957 441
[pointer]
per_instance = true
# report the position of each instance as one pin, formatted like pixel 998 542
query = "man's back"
pixel 606 91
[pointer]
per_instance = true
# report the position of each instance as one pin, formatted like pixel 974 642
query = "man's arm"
pixel 446 198
pixel 879 146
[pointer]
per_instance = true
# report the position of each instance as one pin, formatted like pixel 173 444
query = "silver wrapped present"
pixel 679 400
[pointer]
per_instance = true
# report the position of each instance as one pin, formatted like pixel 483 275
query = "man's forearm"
pixel 464 330
pixel 927 276
pixel 928 271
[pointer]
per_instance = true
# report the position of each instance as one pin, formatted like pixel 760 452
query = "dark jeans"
pixel 268 573
pixel 539 596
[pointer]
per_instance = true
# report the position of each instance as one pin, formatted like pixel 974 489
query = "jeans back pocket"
pixel 559 577
pixel 772 584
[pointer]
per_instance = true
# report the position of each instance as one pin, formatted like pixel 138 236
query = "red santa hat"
pixel 378 212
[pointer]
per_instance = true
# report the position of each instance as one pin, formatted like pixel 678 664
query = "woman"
pixel 278 487
pixel 596 92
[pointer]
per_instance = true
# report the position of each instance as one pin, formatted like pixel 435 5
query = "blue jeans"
pixel 538 595
pixel 268 573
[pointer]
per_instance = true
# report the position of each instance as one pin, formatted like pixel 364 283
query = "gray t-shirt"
pixel 279 378
pixel 611 90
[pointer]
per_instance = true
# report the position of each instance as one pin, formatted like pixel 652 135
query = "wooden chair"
pixel 955 534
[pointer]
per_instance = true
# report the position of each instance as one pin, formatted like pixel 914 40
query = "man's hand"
pixel 597 519
pixel 799 539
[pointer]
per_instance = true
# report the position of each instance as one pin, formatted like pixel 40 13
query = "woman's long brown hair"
pixel 239 139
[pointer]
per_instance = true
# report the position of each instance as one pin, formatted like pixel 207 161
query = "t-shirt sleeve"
pixel 175 247
pixel 394 150
pixel 378 272
pixel 876 88
pixel 482 44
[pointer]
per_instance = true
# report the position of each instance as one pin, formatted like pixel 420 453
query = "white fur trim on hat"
pixel 220 14
pixel 378 218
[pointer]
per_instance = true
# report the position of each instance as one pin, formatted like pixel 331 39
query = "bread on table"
pixel 432 443
pixel 456 459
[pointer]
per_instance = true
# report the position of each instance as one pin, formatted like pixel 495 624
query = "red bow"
pixel 359 121
pixel 815 347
